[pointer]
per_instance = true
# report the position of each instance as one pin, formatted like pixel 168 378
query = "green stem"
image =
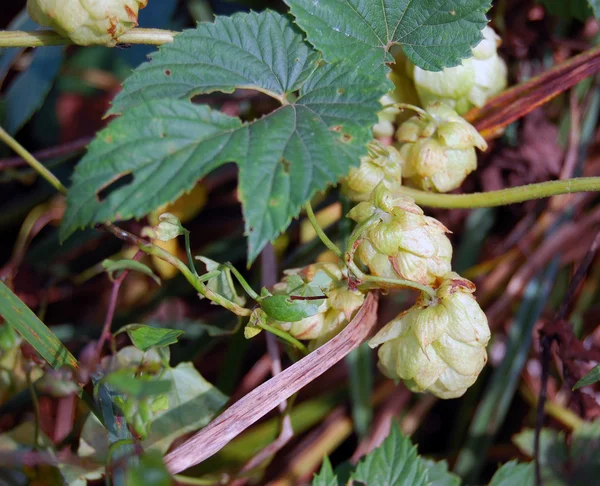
pixel 243 282
pixel 283 335
pixel 32 161
pixel 151 249
pixel 36 408
pixel 320 233
pixel 408 106
pixel 188 251
pixel 16 38
pixel 193 481
pixel 394 282
pixel 504 196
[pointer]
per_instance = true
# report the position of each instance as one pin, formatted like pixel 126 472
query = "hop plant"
pixel 439 345
pixel 335 311
pixel 398 241
pixel 381 164
pixel 403 92
pixel 87 22
pixel 438 147
pixel 469 84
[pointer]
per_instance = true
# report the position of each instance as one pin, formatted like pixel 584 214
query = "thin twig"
pixel 269 395
pixel 112 306
pixel 49 153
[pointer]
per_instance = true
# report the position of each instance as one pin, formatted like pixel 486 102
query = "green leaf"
pixel 360 373
pixel 112 267
pixel 589 379
pixel 562 465
pixel 513 473
pixel 145 337
pixel 284 157
pixel 193 402
pixel 438 474
pixel 124 382
pixel 433 33
pixel 395 461
pixel 43 340
pixel 29 89
pixel 150 471
pixel 250 51
pixel 578 9
pixel 326 477
pixel 283 309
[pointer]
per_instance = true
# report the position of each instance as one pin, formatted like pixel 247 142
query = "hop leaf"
pixel 401 242
pixel 87 22
pixel 437 346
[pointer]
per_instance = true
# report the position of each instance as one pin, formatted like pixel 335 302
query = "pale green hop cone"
pixel 437 346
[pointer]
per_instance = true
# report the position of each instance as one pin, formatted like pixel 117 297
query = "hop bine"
pixel 87 22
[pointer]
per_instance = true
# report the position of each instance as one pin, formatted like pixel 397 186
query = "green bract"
pixel 439 149
pixel 468 84
pixel 87 22
pixel 437 346
pixel 333 313
pixel 399 241
pixel 382 164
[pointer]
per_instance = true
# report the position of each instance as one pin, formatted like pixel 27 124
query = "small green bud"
pixel 437 346
pixel 381 164
pixel 439 150
pixel 168 228
pixel 402 242
pixel 87 22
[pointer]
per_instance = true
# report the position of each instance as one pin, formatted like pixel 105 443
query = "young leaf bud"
pixel 402 242
pixel 438 149
pixel 437 346
pixel 87 22
pixel 381 164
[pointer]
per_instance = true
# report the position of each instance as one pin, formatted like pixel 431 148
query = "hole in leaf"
pixel 341 90
pixel 121 181
pixel 168 72
pixel 346 138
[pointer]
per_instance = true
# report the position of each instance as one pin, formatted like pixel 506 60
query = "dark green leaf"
pixel 124 382
pixel 284 158
pixel 146 337
pixel 326 477
pixel 433 33
pixel 35 332
pixel 360 370
pixel 150 471
pixel 512 473
pixel 112 266
pixel 589 379
pixel 579 9
pixel 395 462
pixel 250 51
pixel 29 89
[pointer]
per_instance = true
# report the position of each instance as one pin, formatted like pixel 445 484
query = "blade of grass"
pixel 361 387
pixel 34 331
pixel 500 391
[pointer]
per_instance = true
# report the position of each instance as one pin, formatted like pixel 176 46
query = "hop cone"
pixel 401 242
pixel 437 346
pixel 438 149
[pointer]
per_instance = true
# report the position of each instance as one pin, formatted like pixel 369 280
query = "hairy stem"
pixel 16 38
pixel 320 233
pixel 32 161
pixel 151 249
pixel 503 197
